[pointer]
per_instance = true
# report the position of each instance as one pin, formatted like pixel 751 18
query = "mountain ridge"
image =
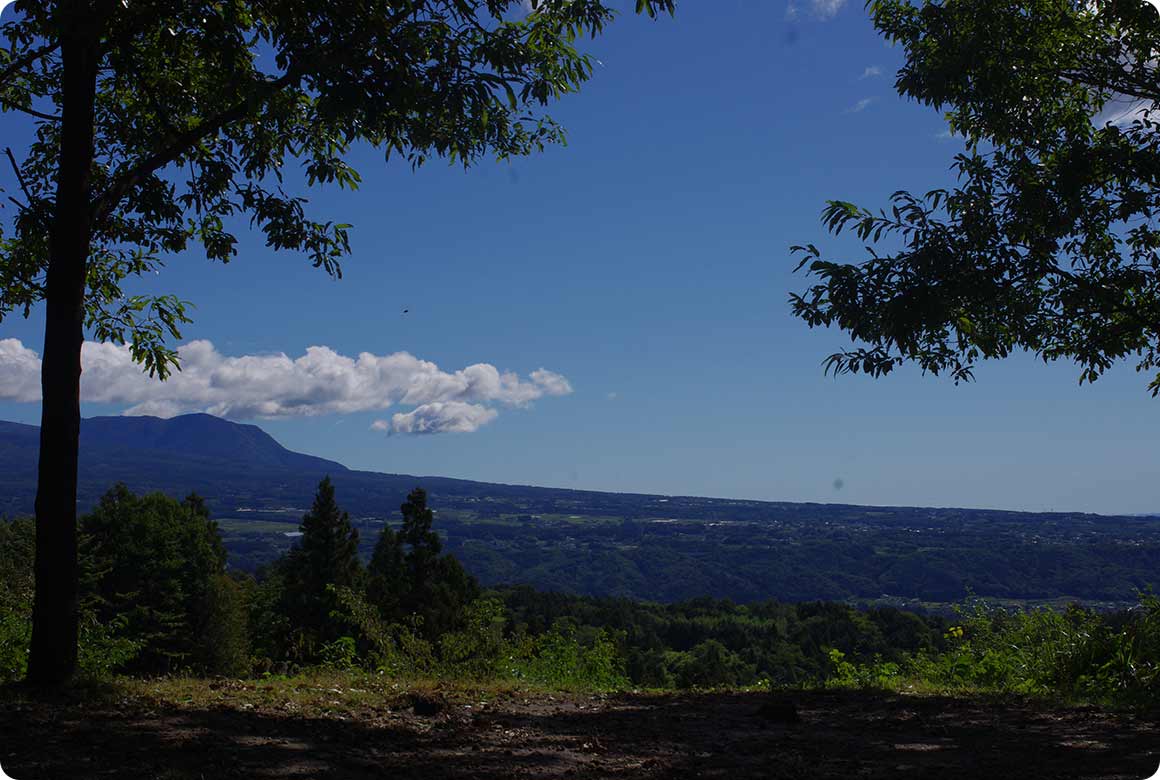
pixel 635 545
pixel 170 441
pixel 217 458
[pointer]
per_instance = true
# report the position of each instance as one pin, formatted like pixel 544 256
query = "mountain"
pixel 192 453
pixel 230 464
pixel 661 548
pixel 195 436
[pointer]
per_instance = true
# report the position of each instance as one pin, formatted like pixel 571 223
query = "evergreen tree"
pixel 386 574
pixel 326 556
pixel 443 596
pixel 408 575
pixel 425 544
pixel 437 586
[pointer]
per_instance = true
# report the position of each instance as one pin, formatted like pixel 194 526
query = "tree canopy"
pixel 1048 241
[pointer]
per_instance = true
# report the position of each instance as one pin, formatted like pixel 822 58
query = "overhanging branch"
pixel 30 111
pixel 124 181
pixel 22 62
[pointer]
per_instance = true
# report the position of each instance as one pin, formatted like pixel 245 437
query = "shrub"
pixel 341 654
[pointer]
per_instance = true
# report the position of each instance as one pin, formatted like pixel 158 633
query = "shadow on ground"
pixel 839 734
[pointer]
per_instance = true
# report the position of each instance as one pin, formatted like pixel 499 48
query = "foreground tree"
pixel 1048 243
pixel 160 124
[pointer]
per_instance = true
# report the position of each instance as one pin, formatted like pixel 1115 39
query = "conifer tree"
pixel 386 574
pixel 438 587
pixel 424 543
pixel 326 555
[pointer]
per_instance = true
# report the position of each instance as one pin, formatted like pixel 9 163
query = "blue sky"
pixel 647 263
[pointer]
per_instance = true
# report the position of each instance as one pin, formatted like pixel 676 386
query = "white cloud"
pixel 439 417
pixel 861 105
pixel 791 11
pixel 551 382
pixel 871 72
pixel 19 372
pixel 321 381
pixel 826 9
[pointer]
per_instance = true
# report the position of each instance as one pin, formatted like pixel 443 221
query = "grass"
pixel 313 693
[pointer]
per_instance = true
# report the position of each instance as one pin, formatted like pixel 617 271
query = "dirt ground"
pixel 724 735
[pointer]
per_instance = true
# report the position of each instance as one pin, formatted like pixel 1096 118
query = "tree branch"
pixel 30 111
pixel 19 175
pixel 129 178
pixel 24 61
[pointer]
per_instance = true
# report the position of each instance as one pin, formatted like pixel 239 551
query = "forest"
pixel 160 599
pixel 792 552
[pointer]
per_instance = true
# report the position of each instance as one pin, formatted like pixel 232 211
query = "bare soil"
pixel 525 735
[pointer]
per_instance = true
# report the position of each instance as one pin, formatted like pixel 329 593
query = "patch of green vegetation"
pixel 256 525
pixel 1073 654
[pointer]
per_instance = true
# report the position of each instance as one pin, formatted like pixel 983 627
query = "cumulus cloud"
pixel 321 381
pixel 870 72
pixel 19 372
pixel 439 417
pixel 551 382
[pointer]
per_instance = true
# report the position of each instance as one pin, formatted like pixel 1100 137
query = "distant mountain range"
pixel 230 464
pixel 662 548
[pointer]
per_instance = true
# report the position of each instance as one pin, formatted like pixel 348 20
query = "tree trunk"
pixel 53 655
